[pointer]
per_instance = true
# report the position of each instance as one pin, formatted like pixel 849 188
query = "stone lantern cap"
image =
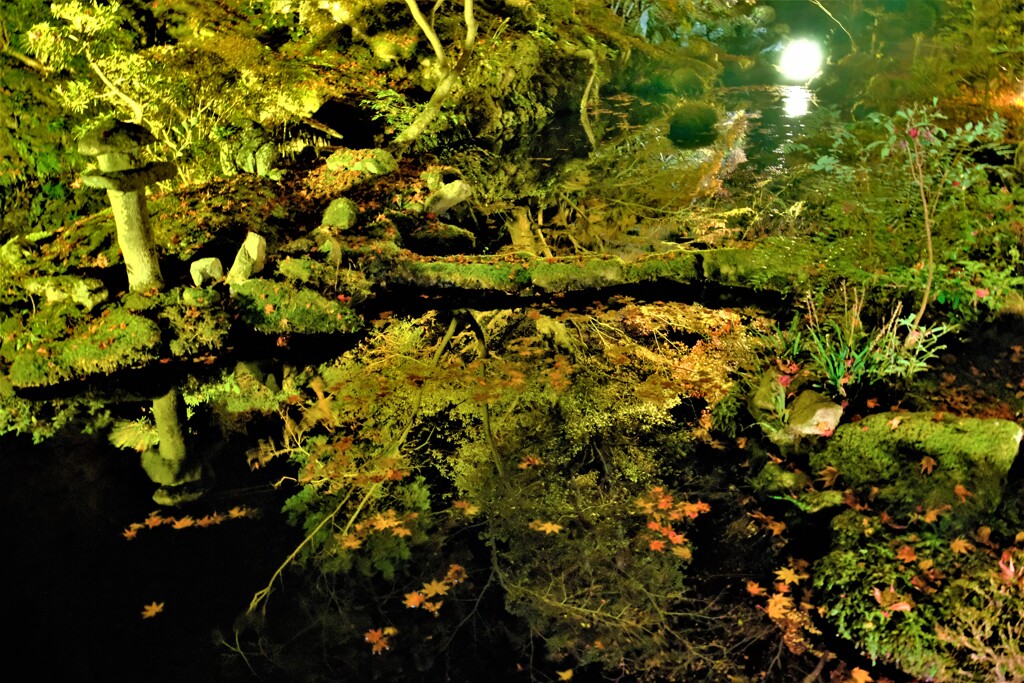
pixel 132 179
pixel 115 137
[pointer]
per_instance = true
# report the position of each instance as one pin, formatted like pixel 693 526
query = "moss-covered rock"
pixel 86 292
pixel 779 264
pixel 341 214
pixel 281 308
pixel 889 451
pixel 115 340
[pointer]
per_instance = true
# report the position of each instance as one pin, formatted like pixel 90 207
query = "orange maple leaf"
pixel 755 589
pixel 466 507
pixel 377 640
pixel 152 609
pixel 183 523
pixel 456 574
pixel 433 588
pixel 961 546
pixel 691 510
pixel 130 533
pixel 962 493
pixel 414 599
pixel 931 515
pixel 859 675
pixel 928 464
pixel 787 575
pixel 657 546
pixel 778 605
pixel 237 512
pixel 401 531
pixel 530 461
pixel 906 554
pixel 154 520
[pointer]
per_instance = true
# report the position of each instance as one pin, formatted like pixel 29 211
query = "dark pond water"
pixel 76 588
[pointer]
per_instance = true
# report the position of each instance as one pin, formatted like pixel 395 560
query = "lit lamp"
pixel 800 60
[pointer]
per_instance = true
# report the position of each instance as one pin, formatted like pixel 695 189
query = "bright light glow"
pixel 800 60
pixel 796 101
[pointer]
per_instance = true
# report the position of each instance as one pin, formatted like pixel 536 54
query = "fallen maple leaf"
pixel 827 476
pixel 657 546
pixel 871 403
pixel 546 527
pixel 755 589
pixel 152 609
pixel 433 588
pixel 183 523
pixel 778 605
pixel 691 510
pixel 377 639
pixel 962 493
pixel 530 461
pixel 414 599
pixel 894 423
pixel 859 675
pixel 961 546
pixel 928 464
pixel 906 554
pixel 787 575
pixel 564 675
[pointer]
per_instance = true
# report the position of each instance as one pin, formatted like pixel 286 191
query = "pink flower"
pixel 913 132
pixel 981 292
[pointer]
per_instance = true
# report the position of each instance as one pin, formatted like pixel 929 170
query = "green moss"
pixel 877 451
pixel 116 340
pixel 676 266
pixel 780 264
pixel 281 308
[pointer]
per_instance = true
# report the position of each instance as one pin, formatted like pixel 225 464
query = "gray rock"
pixel 250 259
pixel 813 414
pixel 206 270
pixel 448 196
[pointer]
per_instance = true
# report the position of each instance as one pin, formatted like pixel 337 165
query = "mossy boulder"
pixel 779 264
pixel 341 214
pixel 281 308
pixel 369 162
pixel 892 452
pixel 115 340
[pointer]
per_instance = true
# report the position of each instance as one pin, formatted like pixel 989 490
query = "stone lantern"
pixel 117 147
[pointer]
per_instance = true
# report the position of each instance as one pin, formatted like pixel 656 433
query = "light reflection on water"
pixel 796 101
pixel 777 114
